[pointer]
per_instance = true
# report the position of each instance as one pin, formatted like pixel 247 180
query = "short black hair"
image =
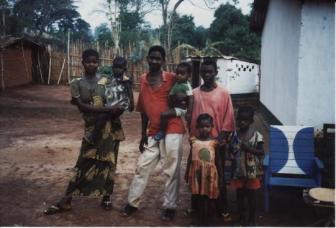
pixel 209 61
pixel 204 116
pixel 158 48
pixel 119 61
pixel 89 52
pixel 245 112
pixel 185 65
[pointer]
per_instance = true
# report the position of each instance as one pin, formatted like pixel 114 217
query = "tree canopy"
pixel 229 32
pixel 231 27
pixel 53 17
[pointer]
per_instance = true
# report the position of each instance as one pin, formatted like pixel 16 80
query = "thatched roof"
pixel 8 41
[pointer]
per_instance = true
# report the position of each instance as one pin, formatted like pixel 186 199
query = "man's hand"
pixel 188 117
pixel 143 141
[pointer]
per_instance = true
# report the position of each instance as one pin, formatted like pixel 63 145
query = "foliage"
pixel 231 27
pixel 133 28
pixel 183 30
pixel 103 35
pixel 107 70
pixel 40 17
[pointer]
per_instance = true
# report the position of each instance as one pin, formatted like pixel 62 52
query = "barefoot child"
pixel 96 167
pixel 180 99
pixel 247 151
pixel 203 176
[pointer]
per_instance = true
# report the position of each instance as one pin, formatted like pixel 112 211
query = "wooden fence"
pixel 64 66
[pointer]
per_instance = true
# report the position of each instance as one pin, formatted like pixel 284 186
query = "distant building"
pixel 19 61
pixel 297 60
pixel 237 76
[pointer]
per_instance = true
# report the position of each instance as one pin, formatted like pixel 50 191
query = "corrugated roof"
pixel 217 57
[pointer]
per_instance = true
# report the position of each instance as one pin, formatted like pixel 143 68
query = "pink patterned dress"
pixel 202 175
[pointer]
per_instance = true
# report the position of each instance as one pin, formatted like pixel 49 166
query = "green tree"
pixel 103 35
pixel 183 30
pixel 55 17
pixel 231 28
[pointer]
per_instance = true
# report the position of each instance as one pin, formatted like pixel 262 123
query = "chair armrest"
pixel 266 160
pixel 318 163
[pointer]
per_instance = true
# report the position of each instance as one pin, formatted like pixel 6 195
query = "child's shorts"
pixel 246 183
pixel 180 111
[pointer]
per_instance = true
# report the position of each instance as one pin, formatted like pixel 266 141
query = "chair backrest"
pixel 291 149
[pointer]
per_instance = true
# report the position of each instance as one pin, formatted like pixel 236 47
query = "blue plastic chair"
pixel 291 161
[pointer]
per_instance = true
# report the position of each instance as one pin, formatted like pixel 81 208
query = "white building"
pixel 237 76
pixel 297 59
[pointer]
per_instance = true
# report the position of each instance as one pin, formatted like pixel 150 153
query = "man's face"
pixel 90 64
pixel 208 74
pixel 155 61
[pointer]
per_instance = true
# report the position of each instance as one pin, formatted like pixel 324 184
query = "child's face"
pixel 118 70
pixel 155 61
pixel 204 128
pixel 182 74
pixel 208 73
pixel 244 122
pixel 90 65
pixel 180 100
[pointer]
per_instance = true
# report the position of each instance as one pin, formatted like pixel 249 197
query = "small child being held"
pixel 180 99
pixel 204 173
pixel 118 91
pixel 247 151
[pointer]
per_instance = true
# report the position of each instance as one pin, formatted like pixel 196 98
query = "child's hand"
pixel 116 110
pixel 221 140
pixel 245 146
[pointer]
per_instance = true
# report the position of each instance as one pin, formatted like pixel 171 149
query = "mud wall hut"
pixel 20 62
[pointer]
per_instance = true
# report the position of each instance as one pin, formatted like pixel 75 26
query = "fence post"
pixel 68 55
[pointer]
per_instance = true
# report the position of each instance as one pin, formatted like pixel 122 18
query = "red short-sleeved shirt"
pixel 217 103
pixel 153 102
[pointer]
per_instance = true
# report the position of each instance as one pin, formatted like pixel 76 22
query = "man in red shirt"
pixel 153 100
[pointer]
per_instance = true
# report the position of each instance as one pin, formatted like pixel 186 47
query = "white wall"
pixel 316 97
pixel 238 77
pixel 279 59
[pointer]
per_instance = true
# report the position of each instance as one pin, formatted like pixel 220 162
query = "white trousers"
pixel 168 152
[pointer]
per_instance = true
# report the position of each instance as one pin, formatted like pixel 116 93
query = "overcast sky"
pixel 202 15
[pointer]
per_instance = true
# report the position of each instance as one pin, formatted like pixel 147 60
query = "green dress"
pixel 96 166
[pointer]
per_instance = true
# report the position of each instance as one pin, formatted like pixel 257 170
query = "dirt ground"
pixel 40 135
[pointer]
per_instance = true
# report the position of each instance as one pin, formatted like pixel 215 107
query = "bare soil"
pixel 40 136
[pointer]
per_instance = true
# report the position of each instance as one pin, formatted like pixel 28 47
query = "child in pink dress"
pixel 203 175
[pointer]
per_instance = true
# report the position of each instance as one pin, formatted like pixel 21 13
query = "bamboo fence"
pixel 65 65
